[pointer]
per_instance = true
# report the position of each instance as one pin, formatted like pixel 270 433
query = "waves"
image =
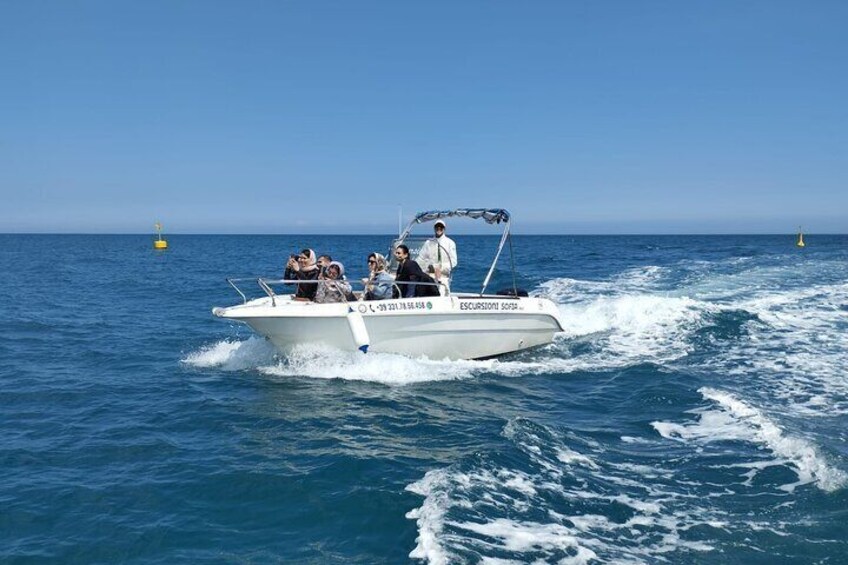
pixel 635 329
pixel 319 362
pixel 554 496
pixel 694 410
pixel 799 344
pixel 232 355
pixel 756 351
pixel 772 344
pixel 779 326
pixel 732 419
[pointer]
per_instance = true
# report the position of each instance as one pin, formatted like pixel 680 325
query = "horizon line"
pixel 460 234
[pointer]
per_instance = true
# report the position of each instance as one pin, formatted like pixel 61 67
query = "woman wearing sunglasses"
pixel 379 284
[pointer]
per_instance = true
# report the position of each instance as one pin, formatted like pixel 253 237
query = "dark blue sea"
pixel 695 410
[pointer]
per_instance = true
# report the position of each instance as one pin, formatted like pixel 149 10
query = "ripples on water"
pixel 693 410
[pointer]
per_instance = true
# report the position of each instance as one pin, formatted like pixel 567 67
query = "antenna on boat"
pixel 400 220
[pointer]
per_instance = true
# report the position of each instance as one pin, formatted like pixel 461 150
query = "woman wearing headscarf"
pixel 379 284
pixel 303 268
pixel 331 287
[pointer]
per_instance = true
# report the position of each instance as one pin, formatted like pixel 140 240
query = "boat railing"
pixel 235 286
pixel 268 290
pixel 265 285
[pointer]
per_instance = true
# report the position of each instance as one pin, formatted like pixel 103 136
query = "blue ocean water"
pixel 694 410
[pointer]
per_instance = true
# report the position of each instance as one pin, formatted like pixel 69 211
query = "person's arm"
pixel 423 256
pixel 399 280
pixel 454 258
pixel 344 287
pixel 448 257
pixel 310 289
pixel 381 287
pixel 442 265
pixel 413 274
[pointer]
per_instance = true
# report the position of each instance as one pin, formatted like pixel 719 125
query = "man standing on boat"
pixel 438 256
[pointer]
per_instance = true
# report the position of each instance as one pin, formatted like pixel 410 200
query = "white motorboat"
pixel 456 325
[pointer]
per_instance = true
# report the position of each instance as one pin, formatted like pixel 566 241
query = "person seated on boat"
pixel 409 273
pixel 380 284
pixel 438 256
pixel 303 268
pixel 331 287
pixel 323 262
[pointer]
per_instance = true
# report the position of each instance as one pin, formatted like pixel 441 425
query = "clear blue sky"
pixel 298 117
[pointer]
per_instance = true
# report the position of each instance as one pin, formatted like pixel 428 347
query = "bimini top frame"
pixel 489 215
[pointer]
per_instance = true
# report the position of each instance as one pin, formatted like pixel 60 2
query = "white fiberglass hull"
pixel 452 327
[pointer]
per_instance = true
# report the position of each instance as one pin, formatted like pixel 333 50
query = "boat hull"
pixel 454 327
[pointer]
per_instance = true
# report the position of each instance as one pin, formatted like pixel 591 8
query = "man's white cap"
pixel 437 222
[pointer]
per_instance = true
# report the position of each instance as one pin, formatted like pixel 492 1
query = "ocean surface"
pixel 695 410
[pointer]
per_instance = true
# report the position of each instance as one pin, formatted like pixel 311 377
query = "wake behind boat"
pixel 453 325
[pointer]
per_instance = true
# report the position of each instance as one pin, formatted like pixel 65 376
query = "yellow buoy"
pixel 800 238
pixel 159 243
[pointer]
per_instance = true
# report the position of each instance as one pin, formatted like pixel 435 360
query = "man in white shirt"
pixel 438 256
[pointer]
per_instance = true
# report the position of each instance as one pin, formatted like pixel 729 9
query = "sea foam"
pixel 232 355
pixel 555 505
pixel 321 362
pixel 737 420
pixel 625 322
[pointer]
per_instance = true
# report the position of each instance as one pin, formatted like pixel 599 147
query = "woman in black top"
pixel 408 273
pixel 303 268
